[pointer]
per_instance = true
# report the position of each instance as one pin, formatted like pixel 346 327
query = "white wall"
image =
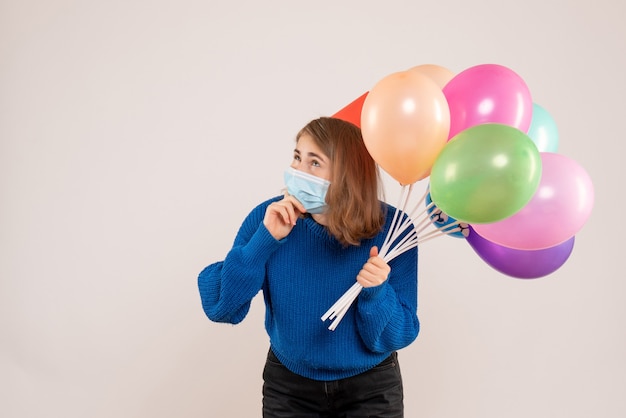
pixel 135 135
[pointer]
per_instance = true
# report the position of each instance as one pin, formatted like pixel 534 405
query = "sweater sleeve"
pixel 227 287
pixel 387 314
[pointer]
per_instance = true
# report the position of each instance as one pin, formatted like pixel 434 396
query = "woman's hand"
pixel 375 271
pixel 281 216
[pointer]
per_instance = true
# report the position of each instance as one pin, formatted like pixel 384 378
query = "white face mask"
pixel 310 190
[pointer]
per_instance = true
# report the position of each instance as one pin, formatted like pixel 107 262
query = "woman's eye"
pixel 296 157
pixel 315 163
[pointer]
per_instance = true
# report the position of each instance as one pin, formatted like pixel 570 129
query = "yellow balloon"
pixel 405 123
pixel 440 75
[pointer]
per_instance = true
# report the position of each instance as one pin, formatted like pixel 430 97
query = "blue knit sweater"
pixel 303 275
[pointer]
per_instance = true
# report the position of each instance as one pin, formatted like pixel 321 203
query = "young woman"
pixel 304 250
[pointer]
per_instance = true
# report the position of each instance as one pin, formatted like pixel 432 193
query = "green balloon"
pixel 485 173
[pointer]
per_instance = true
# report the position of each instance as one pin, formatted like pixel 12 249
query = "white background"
pixel 136 135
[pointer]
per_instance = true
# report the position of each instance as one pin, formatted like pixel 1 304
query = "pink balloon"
pixel 488 93
pixel 556 212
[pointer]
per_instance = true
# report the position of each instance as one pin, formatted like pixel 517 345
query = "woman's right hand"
pixel 281 216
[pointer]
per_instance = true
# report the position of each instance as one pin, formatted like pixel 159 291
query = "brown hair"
pixel 354 210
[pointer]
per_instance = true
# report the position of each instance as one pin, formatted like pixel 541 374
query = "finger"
pixel 370 267
pixel 367 279
pixel 374 251
pixel 295 202
pixel 289 214
pixel 377 267
pixel 377 262
pixel 364 280
pixel 282 213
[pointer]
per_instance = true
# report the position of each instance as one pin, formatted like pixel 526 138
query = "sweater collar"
pixel 320 231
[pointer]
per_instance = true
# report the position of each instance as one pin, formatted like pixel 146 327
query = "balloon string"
pixel 343 311
pixel 417 241
pixel 398 228
pixel 417 229
pixel 399 224
pixel 337 305
pixel 419 205
pixel 340 308
pixel 396 222
pixel 445 229
pixel 423 221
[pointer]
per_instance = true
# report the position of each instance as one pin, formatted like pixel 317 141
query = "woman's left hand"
pixel 375 271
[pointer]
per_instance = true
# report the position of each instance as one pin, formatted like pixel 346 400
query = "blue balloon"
pixel 441 220
pixel 543 130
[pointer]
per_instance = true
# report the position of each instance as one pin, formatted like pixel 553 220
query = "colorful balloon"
pixel 405 122
pixel 441 220
pixel 557 211
pixel 543 130
pixel 485 173
pixel 488 93
pixel 521 264
pixel 440 75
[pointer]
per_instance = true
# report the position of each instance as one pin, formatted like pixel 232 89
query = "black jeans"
pixel 375 393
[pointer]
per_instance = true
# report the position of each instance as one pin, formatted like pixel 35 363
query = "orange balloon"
pixel 440 75
pixel 352 112
pixel 405 123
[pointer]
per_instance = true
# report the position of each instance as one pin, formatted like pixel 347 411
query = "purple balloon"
pixel 521 264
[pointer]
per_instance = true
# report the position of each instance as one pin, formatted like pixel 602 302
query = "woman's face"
pixel 308 157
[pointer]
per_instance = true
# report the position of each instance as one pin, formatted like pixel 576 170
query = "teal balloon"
pixel 485 173
pixel 543 130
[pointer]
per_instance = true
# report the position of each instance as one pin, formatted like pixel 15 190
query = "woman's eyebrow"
pixel 310 154
pixel 314 155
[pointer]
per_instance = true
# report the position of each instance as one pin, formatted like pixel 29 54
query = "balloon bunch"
pixel 500 172
pixel 495 177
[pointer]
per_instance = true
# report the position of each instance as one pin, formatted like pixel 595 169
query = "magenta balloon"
pixel 488 93
pixel 556 212
pixel 521 264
